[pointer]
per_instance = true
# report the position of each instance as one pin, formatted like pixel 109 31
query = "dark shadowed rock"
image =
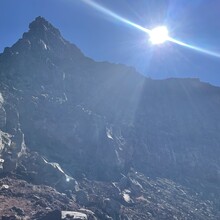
pixel 54 215
pixel 12 217
pixel 18 211
pixel 10 163
pixel 139 148
pixel 82 197
pixel 111 207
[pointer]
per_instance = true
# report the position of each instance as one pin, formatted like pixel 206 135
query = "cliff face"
pixel 100 121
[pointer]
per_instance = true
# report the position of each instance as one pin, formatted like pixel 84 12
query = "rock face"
pixel 73 124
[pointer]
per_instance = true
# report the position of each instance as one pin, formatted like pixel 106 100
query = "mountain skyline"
pixel 105 39
pixel 97 140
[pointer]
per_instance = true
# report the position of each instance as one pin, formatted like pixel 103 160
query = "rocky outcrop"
pixel 36 169
pixel 89 129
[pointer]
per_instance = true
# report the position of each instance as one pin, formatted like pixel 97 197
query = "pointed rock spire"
pixel 43 40
pixel 40 28
pixel 40 25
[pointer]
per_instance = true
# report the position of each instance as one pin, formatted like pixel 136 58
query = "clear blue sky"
pixel 102 38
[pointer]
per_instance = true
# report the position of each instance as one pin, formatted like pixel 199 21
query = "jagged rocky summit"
pixel 100 140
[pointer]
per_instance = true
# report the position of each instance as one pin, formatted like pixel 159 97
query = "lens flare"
pixel 114 15
pixel 153 34
pixel 199 49
pixel 159 35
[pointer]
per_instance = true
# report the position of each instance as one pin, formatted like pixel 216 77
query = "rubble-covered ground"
pixel 133 197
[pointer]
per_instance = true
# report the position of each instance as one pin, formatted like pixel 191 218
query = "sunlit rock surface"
pixel 116 143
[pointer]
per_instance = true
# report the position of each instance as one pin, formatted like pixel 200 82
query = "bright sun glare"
pixel 159 35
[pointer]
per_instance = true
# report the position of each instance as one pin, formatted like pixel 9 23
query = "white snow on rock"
pixel 1 164
pixel 109 133
pixel 4 186
pixel 4 141
pixel 1 99
pixel 58 167
pixel 43 44
pixel 126 197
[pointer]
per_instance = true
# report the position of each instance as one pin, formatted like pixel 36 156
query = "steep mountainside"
pixel 120 144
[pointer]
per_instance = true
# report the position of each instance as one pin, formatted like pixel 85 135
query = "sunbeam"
pixel 194 47
pixel 114 15
pixel 146 30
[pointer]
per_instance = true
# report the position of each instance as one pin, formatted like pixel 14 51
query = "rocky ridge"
pixel 117 144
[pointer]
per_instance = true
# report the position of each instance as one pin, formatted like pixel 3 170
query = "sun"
pixel 159 35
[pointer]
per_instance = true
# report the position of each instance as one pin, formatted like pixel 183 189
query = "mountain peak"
pixel 40 26
pixel 40 19
pixel 42 35
pixel 43 40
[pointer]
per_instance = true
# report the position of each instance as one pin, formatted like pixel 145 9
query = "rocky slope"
pixel 121 145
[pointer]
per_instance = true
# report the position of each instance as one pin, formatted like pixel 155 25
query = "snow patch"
pixel 4 140
pixel 109 133
pixel 57 166
pixel 126 197
pixel 4 186
pixel 1 164
pixel 43 44
pixel 1 99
